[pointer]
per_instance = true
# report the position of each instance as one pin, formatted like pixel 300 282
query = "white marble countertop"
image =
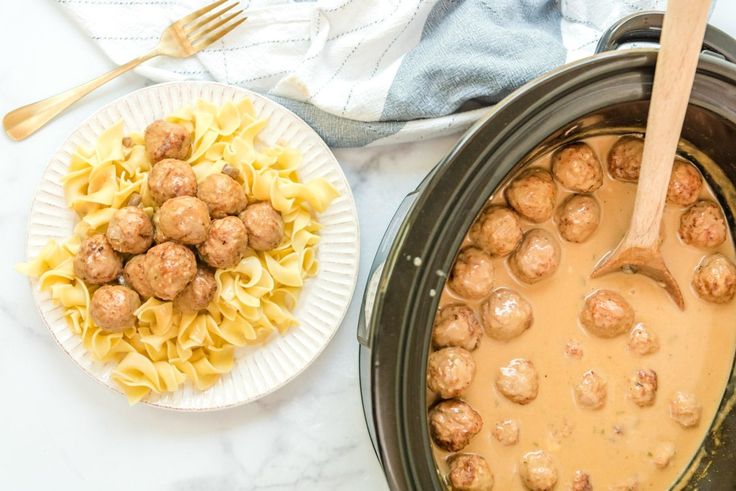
pixel 60 429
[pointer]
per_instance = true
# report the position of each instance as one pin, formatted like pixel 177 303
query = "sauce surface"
pixel 613 444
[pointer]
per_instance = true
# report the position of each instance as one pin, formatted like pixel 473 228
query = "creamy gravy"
pixel 612 444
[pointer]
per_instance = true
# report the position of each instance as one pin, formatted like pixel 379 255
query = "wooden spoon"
pixel 681 44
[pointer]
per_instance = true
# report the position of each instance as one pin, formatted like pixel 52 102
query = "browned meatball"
pixel 184 219
pixel 497 231
pixel 171 178
pixel 578 217
pixel 456 325
pixel 450 371
pixel 624 158
pixel 581 482
pixel 643 387
pixel 113 307
pixel 130 230
pixel 538 471
pixel 506 432
pixel 537 257
pixel 518 381
pixel 135 276
pixel 715 279
pixel 166 140
pixel 226 244
pixel 685 409
pixel 703 225
pixel 169 268
pixel 265 226
pixel 453 424
pixel 607 314
pixel 472 275
pixel 96 262
pixel 576 166
pixel 198 294
pixel 663 453
pixel 642 340
pixel 223 195
pixel 685 184
pixel 591 391
pixel 506 314
pixel 469 472
pixel 630 484
pixel 533 195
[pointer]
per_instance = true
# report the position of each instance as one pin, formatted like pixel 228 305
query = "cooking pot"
pixel 605 93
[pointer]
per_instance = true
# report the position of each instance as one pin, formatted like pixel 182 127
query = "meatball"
pixel 576 166
pixel 113 307
pixel 537 257
pixel 134 274
pixel 265 226
pixel 685 409
pixel 643 387
pixel 624 158
pixel 96 262
pixel 630 484
pixel 591 391
pixel 450 371
pixel 643 341
pixel 497 231
pixel 581 482
pixel 506 314
pixel 607 314
pixel 472 275
pixel 703 225
pixel 169 268
pixel 578 217
pixel 226 244
pixel 538 471
pixel 130 230
pixel 518 381
pixel 223 195
pixel 506 432
pixel 198 294
pixel 469 472
pixel 685 184
pixel 715 279
pixel 171 178
pixel 184 219
pixel 663 453
pixel 533 195
pixel 166 140
pixel 456 325
pixel 453 423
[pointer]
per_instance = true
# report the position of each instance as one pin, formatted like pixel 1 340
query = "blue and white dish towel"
pixel 369 71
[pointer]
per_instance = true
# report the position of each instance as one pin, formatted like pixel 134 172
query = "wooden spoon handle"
pixel 681 44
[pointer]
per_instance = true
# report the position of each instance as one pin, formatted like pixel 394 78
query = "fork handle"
pixel 26 120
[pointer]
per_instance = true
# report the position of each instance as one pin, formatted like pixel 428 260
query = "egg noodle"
pixel 254 299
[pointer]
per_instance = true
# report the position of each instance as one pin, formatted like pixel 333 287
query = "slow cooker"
pixel 605 93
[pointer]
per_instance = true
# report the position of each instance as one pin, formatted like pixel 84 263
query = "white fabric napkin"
pixel 368 71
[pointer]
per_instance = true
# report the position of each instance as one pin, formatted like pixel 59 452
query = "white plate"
pixel 324 300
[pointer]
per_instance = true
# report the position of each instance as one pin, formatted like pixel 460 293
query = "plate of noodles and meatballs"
pixel 193 246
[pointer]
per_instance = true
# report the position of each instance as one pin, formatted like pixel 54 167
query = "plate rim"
pixel 37 293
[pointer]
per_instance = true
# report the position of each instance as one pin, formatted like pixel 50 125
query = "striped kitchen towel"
pixel 369 71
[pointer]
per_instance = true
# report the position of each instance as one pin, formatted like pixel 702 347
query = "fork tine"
pixel 211 28
pixel 208 40
pixel 189 29
pixel 202 11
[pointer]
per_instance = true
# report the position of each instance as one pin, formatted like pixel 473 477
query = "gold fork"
pixel 185 37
